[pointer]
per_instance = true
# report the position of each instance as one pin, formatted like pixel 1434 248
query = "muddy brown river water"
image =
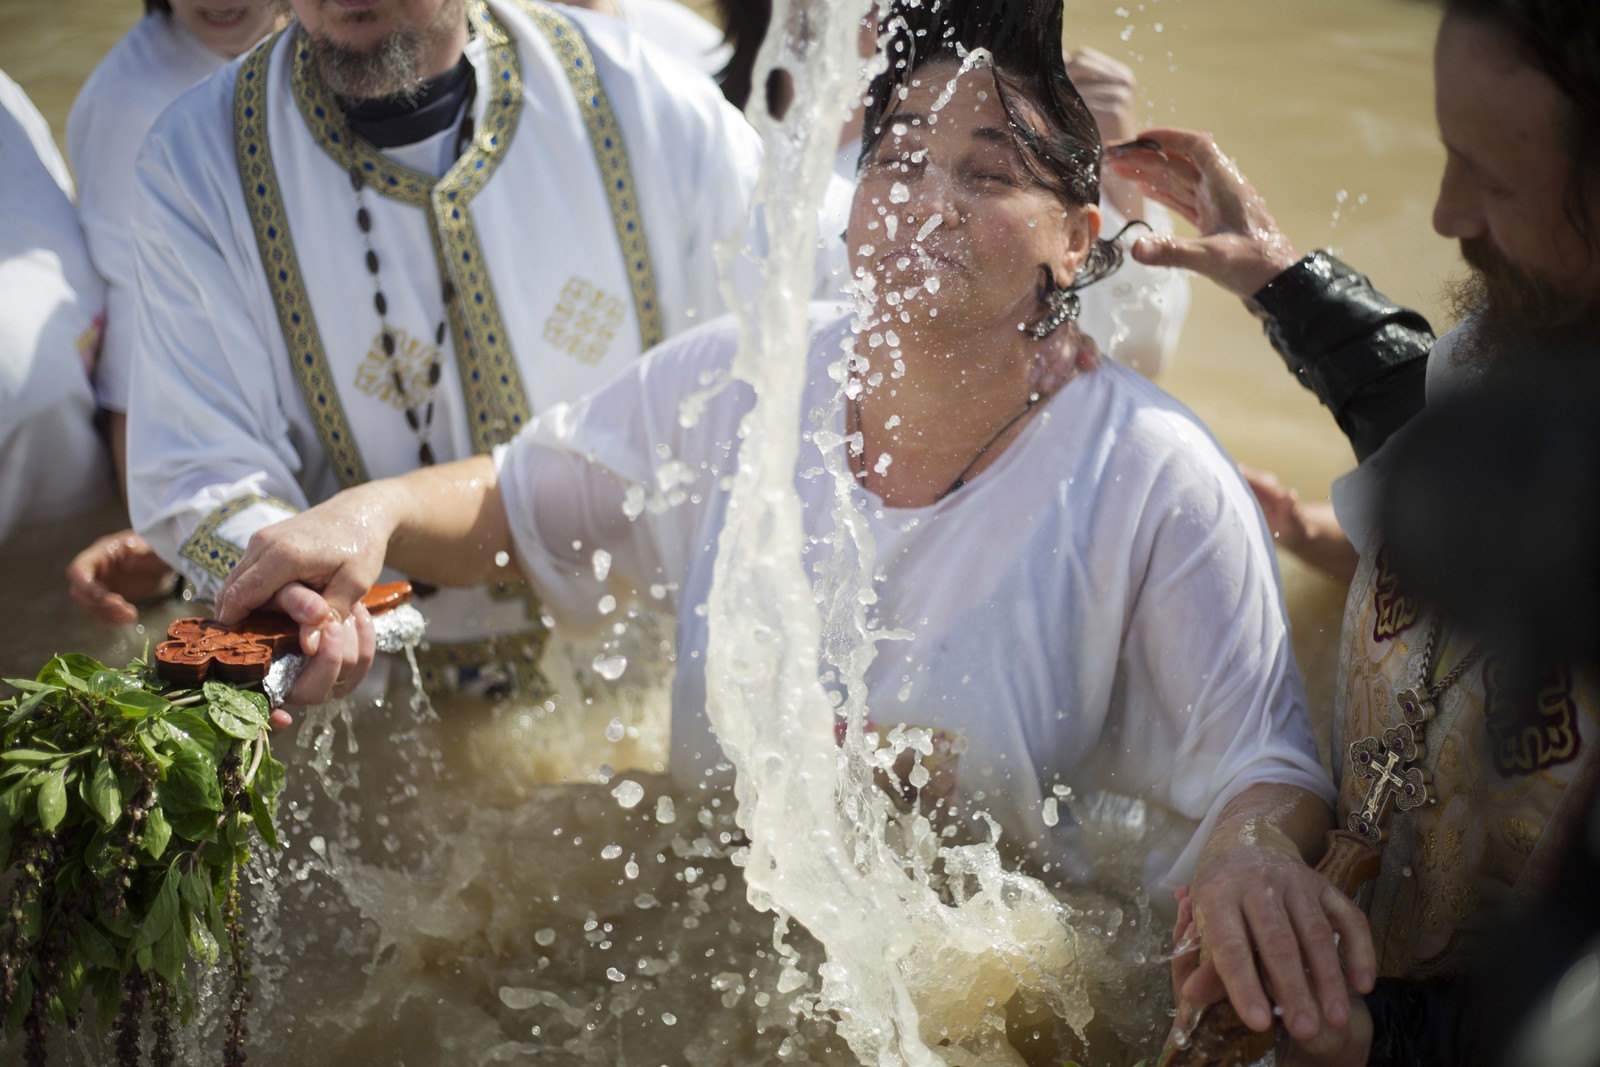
pixel 445 899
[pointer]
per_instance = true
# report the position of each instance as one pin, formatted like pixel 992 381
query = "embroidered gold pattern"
pixel 209 550
pixel 616 173
pixel 584 322
pixel 264 201
pixel 491 384
pixel 1525 739
pixel 412 357
pixel 1394 612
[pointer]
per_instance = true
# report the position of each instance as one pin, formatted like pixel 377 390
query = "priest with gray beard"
pixel 386 238
pixel 1503 754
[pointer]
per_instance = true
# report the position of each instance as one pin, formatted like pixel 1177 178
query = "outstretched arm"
pixel 442 524
pixel 1363 355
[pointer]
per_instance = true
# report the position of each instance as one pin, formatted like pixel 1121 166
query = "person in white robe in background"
pixel 593 206
pixel 672 26
pixel 175 45
pixel 52 462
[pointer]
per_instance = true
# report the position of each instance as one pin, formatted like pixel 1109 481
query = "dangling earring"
pixel 1061 307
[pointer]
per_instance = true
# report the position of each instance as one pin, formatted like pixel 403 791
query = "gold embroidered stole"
pixel 496 400
pixel 1501 770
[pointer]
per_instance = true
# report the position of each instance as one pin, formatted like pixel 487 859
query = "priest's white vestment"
pixel 575 230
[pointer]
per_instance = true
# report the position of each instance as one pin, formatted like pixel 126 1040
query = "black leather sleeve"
pixel 1362 354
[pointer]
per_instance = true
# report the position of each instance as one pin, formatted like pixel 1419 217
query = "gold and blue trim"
pixel 281 266
pixel 616 172
pixel 207 549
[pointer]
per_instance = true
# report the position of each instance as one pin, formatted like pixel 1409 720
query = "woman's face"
pixel 227 27
pixel 947 222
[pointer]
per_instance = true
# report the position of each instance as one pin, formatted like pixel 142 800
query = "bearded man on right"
pixel 1471 776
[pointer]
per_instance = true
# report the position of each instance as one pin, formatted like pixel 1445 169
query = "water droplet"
pixel 610 667
pixel 602 564
pixel 544 938
pixel 898 193
pixel 502 558
pixel 1051 814
pixel 615 975
pixel 628 793
pixel 615 731
pixel 517 998
pixel 611 852
pixel 665 812
pixel 607 604
pixel 669 1018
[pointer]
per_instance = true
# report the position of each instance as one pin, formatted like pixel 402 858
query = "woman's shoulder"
pixel 152 65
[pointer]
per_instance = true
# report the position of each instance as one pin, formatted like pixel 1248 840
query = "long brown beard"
pixel 392 67
pixel 1515 314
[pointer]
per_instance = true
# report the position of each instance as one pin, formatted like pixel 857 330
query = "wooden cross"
pixel 1387 762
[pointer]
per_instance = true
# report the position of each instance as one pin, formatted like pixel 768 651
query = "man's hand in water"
pixel 315 567
pixel 111 577
pixel 1266 920
pixel 1240 246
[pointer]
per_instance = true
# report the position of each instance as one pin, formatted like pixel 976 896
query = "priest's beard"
pixel 390 68
pixel 1516 315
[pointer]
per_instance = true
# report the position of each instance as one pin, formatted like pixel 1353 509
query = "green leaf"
pixel 162 914
pixel 14 802
pixel 196 888
pixel 26 706
pixel 29 755
pixel 28 685
pixel 167 955
pixel 106 985
pixel 251 707
pixel 104 682
pixel 261 812
pixel 196 826
pixel 269 776
pixel 93 944
pixel 157 832
pixel 53 800
pixel 136 703
pixel 191 783
pixel 105 795
pixel 233 725
pixel 234 713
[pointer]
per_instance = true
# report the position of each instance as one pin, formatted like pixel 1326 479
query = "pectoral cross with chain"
pixel 1388 762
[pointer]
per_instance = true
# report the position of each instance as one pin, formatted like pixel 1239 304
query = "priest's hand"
pixel 1266 919
pixel 1239 246
pixel 315 567
pixel 111 577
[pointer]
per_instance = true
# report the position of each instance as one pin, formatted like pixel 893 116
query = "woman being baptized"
pixel 1090 592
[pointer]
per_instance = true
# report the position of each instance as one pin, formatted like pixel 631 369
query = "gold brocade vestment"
pixel 1503 781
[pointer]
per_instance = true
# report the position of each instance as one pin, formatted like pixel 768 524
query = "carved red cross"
pixel 200 649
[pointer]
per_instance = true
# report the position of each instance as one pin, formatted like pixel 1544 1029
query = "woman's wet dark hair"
pixel 1052 128
pixel 1561 39
pixel 157 5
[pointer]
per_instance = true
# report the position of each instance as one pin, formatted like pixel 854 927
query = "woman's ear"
pixel 1081 226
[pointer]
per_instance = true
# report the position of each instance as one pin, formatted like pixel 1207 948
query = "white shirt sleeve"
pixel 205 482
pixel 1207 664
pixel 618 472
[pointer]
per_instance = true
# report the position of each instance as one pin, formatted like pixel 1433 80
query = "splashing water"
pixel 910 977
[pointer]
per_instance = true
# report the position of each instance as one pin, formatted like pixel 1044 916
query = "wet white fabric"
pixel 1135 315
pixel 216 411
pixel 51 462
pixel 1099 609
pixel 145 71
